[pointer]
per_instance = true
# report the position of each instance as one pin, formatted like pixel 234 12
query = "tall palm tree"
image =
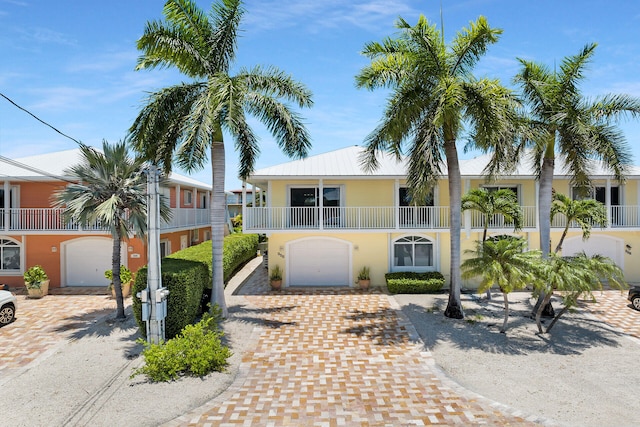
pixel 434 95
pixel 585 213
pixel 491 203
pixel 503 262
pixel 186 120
pixel 566 123
pixel 111 189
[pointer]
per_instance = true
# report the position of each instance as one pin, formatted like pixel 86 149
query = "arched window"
pixel 9 255
pixel 412 253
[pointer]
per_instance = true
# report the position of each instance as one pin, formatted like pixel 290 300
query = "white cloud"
pixel 316 15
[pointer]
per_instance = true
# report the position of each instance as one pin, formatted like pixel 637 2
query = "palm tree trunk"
pixel 545 197
pixel 506 312
pixel 454 305
pixel 115 271
pixel 217 226
pixel 564 234
pixel 543 302
pixel 484 239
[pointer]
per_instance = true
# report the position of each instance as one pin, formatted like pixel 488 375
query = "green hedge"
pixel 414 283
pixel 237 250
pixel 185 281
pixel 187 273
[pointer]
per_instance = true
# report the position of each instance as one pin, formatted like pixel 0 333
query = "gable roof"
pixel 345 163
pixel 52 166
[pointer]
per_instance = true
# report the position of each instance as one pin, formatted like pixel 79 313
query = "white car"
pixel 8 304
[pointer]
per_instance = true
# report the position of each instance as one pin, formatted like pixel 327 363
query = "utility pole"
pixel 154 297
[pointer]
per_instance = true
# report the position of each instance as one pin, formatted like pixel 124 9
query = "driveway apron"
pixel 340 358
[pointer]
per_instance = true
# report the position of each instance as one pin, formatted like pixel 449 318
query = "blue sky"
pixel 72 63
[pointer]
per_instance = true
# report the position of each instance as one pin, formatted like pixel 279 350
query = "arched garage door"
pixel 86 259
pixel 602 245
pixel 319 262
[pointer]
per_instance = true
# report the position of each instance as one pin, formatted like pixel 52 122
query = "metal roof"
pixel 53 166
pixel 346 163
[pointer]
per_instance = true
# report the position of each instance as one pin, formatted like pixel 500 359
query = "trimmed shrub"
pixel 196 351
pixel 185 281
pixel 414 283
pixel 237 250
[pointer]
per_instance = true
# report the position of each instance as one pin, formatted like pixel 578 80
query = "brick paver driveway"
pixel 42 324
pixel 340 358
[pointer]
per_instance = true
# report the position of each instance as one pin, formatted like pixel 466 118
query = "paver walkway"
pixel 339 358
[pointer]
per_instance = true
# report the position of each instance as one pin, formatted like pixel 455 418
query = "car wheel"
pixel 635 301
pixel 7 314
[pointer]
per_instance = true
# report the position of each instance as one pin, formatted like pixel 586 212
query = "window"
pixel 9 255
pixel 188 197
pixel 203 200
pixel 412 253
pixel 300 198
pixel 598 193
pixel 514 188
pixel 195 235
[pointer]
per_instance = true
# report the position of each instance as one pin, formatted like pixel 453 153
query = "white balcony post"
pixel 607 201
pixel 7 205
pixel 321 203
pixel 244 205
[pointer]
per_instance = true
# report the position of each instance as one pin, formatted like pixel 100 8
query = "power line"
pixel 40 120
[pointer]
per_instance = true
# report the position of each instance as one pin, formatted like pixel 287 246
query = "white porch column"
pixel 467 213
pixel 7 205
pixel 396 204
pixel 607 201
pixel 178 218
pixel 537 205
pixel 321 203
pixel 244 204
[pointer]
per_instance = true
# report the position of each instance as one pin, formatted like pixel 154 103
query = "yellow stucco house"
pixel 326 218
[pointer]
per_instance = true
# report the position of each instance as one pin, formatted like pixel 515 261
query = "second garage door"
pixel 601 245
pixel 86 259
pixel 319 262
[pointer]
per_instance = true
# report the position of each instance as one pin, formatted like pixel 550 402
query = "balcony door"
pixel 305 206
pixel 414 213
pixel 13 203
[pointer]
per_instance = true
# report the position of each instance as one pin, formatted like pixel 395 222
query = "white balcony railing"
pixel 262 219
pixel 52 219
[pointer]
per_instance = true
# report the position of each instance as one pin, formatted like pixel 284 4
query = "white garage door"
pixel 319 262
pixel 601 245
pixel 86 260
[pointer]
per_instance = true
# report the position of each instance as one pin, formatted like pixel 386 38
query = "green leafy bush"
pixel 414 283
pixel 196 351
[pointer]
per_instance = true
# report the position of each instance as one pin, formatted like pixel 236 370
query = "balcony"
pixel 389 218
pixel 52 220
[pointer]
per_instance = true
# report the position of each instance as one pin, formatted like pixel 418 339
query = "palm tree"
pixel 565 123
pixel 574 276
pixel 111 189
pixel 188 119
pixel 584 212
pixel 434 96
pixel 503 262
pixel 491 203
